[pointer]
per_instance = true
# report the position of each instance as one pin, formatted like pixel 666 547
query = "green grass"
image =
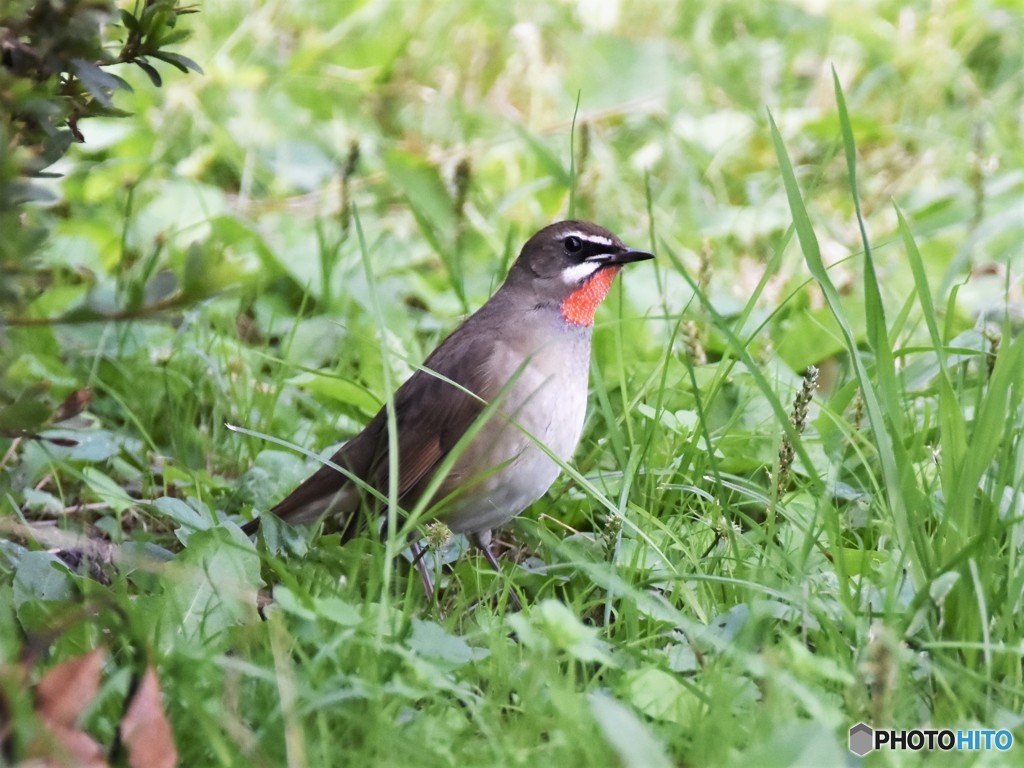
pixel 835 187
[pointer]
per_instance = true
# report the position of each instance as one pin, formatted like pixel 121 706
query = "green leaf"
pixel 809 336
pixel 150 70
pixel 98 82
pixel 10 555
pixel 130 22
pixel 629 736
pixel 184 63
pixel 860 562
pixel 335 609
pixel 660 695
pixel 341 390
pixel 175 36
pixel 24 416
pixel 429 639
pixel 551 625
pixel 682 422
pixel 42 502
pixel 154 18
pixel 41 576
pixel 93 445
pixel 212 585
pixel 282 538
pixel 107 490
pixel 189 520
pixel 286 600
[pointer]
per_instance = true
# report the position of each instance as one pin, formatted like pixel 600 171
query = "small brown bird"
pixel 527 351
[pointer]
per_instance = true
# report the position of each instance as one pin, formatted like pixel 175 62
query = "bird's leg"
pixel 483 542
pixel 421 568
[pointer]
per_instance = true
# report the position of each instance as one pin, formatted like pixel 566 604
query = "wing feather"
pixel 431 416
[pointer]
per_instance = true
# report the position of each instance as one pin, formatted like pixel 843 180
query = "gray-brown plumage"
pixel 528 351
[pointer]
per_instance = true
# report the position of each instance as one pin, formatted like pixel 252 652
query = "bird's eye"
pixel 572 244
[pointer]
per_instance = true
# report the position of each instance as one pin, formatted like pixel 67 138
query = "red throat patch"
pixel 582 303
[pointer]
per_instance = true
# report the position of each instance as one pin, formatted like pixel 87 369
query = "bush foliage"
pixel 57 67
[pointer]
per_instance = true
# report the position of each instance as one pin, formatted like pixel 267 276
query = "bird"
pixel 513 377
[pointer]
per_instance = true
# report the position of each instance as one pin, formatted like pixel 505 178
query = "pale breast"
pixel 504 470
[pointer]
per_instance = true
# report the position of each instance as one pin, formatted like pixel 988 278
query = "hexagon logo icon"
pixel 861 739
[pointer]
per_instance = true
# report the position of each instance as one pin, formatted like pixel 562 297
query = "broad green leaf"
pixel 660 695
pixel 27 415
pixel 211 586
pixel 286 600
pixel 341 390
pixel 429 639
pixel 551 625
pixel 41 576
pixel 631 738
pixel 91 445
pixel 189 520
pixel 107 490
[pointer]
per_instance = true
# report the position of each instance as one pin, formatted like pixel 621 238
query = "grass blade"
pixel 890 454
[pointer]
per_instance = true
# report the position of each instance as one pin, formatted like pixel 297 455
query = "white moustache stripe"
pixel 589 237
pixel 577 273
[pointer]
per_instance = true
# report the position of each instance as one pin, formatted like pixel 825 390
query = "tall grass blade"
pixel 891 456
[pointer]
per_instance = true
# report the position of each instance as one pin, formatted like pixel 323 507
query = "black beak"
pixel 624 256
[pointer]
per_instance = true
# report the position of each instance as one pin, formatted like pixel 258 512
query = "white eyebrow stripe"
pixel 590 237
pixel 579 272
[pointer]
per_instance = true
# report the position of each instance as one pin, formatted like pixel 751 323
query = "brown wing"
pixel 431 415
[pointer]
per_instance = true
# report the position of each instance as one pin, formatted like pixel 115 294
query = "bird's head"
pixel 571 265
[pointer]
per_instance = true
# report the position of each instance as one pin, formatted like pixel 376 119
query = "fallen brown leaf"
pixel 66 690
pixel 73 404
pixel 145 731
pixel 68 748
pixel 62 695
